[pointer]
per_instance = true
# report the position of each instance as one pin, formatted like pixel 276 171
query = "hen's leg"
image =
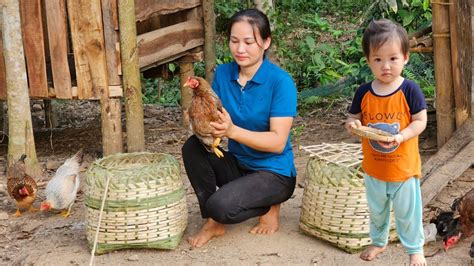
pixel 33 209
pixel 215 144
pixel 65 213
pixel 17 213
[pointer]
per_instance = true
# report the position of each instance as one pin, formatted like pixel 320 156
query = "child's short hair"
pixel 380 31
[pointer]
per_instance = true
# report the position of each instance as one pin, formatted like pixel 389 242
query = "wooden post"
pixel 21 139
pixel 50 116
pixel 472 52
pixel 131 76
pixel 445 119
pixel 460 27
pixel 209 38
pixel 186 69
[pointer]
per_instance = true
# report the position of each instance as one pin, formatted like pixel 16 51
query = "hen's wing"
pixel 466 214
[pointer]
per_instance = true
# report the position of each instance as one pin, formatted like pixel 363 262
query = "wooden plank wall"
pixel 57 37
pixel 177 33
pixel 87 35
pixel 144 9
pixel 111 35
pixel 95 34
pixel 33 44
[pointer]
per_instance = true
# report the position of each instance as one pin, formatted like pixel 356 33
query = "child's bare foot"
pixel 371 252
pixel 417 260
pixel 269 222
pixel 209 230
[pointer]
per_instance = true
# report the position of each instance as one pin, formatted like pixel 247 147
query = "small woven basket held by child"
pixel 334 204
pixel 145 206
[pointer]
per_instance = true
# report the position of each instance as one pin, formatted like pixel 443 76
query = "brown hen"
pixel 465 207
pixel 462 224
pixel 21 187
pixel 204 109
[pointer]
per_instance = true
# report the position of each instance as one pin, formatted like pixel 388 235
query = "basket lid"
pixel 346 154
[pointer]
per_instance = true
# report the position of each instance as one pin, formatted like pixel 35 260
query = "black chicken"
pixel 442 222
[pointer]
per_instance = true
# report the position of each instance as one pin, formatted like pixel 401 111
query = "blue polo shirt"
pixel 270 93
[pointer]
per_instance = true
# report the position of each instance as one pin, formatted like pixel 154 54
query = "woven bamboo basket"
pixel 145 206
pixel 334 206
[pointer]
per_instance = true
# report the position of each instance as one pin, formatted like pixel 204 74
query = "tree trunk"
pixel 209 38
pixel 131 77
pixel 263 5
pixel 21 140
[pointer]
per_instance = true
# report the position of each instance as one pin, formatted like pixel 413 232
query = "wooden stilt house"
pixel 95 50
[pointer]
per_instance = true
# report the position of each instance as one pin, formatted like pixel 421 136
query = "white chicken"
pixel 61 190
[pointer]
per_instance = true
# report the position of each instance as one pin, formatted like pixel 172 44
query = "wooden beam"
pixel 33 39
pixel 131 77
pixel 57 36
pixel 162 43
pixel 445 119
pixel 460 139
pixel 452 169
pixel 144 9
pixel 111 27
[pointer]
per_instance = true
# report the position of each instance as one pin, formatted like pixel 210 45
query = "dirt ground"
pixel 48 239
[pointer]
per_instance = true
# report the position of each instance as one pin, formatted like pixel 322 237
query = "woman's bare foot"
pixel 269 222
pixel 371 252
pixel 417 260
pixel 209 230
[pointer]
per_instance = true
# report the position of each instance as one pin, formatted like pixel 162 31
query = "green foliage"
pixel 411 14
pixel 319 42
pixel 156 91
pixel 420 69
pixel 224 10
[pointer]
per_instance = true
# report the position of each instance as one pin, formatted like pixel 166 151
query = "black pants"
pixel 242 193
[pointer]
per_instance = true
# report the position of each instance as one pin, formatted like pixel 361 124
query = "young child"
pixel 392 170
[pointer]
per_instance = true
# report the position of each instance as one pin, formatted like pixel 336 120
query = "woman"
pixel 258 172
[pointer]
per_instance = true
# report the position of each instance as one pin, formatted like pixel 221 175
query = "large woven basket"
pixel 145 206
pixel 334 204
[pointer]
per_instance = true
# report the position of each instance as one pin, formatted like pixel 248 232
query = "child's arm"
pixel 417 125
pixel 353 120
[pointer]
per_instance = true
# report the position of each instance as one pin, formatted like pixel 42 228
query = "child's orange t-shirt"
pixel 390 113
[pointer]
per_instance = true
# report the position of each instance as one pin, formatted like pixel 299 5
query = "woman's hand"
pixel 223 127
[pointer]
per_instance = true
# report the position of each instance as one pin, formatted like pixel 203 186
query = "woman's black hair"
pixel 380 31
pixel 257 19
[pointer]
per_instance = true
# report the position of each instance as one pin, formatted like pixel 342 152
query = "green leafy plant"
pixel 158 91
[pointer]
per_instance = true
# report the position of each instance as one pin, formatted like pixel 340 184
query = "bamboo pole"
pixel 209 38
pixel 131 77
pixel 445 119
pixel 20 130
pixel 461 56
